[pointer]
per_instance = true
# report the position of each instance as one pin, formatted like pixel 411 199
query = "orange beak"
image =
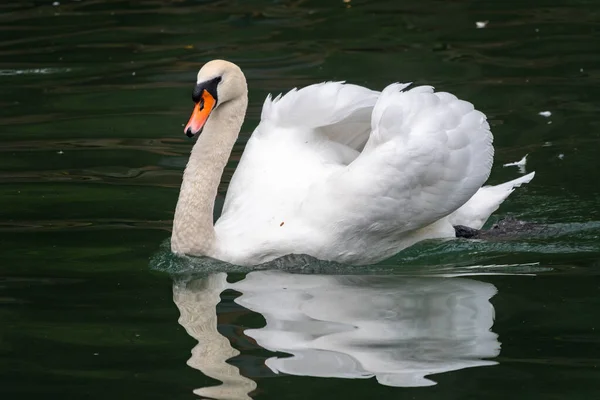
pixel 201 112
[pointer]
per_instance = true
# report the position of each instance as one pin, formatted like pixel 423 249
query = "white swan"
pixel 333 170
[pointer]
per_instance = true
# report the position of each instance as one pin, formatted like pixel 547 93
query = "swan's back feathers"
pixel 428 153
pixel 339 111
pixel 448 142
pixel 340 169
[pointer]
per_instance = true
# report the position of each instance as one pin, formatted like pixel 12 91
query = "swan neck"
pixel 193 226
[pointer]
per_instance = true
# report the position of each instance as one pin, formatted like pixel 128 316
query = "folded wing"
pixel 428 153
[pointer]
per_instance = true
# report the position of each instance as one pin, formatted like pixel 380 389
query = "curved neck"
pixel 193 230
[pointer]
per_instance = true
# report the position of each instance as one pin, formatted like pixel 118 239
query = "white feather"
pixel 345 173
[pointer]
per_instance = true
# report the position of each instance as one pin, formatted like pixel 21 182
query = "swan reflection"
pixel 396 329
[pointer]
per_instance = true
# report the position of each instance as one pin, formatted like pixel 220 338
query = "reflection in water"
pixel 197 300
pixel 397 329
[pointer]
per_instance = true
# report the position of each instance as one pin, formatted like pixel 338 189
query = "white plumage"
pixel 344 173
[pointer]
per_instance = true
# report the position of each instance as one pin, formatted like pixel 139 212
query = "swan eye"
pixel 210 86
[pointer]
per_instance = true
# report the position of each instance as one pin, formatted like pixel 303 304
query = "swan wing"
pixel 340 112
pixel 427 155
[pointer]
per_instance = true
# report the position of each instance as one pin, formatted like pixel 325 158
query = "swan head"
pixel 218 82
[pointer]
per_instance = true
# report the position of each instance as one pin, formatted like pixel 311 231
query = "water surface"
pixel 93 98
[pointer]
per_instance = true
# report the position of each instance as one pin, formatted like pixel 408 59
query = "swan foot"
pixel 466 232
pixel 508 227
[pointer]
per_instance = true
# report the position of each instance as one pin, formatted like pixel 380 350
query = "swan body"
pixel 333 170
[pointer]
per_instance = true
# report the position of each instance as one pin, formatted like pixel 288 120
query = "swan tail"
pixel 475 212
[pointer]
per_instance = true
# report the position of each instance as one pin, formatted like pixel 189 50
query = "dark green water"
pixel 93 95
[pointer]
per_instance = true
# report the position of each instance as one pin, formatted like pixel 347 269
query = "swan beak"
pixel 201 112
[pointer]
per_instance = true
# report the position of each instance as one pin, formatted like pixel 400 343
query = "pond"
pixel 93 98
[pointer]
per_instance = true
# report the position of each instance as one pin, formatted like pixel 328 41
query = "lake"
pixel 94 95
